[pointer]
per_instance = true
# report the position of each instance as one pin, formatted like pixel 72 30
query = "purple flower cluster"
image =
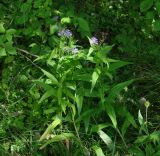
pixel 66 32
pixel 94 41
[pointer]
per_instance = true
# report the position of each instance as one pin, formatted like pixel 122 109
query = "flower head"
pixel 142 100
pixel 75 50
pixel 68 33
pixel 65 32
pixel 94 41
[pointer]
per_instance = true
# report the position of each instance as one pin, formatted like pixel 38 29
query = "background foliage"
pixel 65 92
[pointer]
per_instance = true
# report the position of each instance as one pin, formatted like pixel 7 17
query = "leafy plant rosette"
pixel 77 85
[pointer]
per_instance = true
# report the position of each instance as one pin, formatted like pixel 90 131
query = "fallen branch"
pixel 27 52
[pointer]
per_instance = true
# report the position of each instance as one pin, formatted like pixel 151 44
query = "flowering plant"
pixel 76 76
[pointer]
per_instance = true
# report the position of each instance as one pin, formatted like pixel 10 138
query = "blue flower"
pixel 75 50
pixel 65 33
pixel 94 41
pixel 68 33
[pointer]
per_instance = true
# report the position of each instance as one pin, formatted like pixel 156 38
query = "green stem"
pixel 76 130
pixel 83 148
pixel 147 120
pixel 122 138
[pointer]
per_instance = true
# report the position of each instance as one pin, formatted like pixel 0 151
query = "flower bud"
pixel 142 100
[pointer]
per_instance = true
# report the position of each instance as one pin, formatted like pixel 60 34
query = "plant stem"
pixel 122 138
pixel 83 148
pixel 147 119
pixel 146 114
pixel 76 130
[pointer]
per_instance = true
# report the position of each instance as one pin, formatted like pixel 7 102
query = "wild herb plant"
pixel 77 84
pixel 60 91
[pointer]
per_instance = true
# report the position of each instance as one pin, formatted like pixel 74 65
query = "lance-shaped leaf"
pixel 146 5
pixel 79 101
pixel 2 29
pixel 116 65
pixel 57 138
pixel 95 77
pixel 117 89
pixel 111 113
pixel 54 124
pixel 140 118
pixel 50 76
pixel 47 94
pixel 97 128
pixel 107 140
pixel 98 151
pixel 111 97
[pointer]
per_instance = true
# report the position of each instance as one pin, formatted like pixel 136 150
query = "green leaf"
pixel 146 5
pixel 51 110
pixel 69 93
pixel 85 115
pixel 37 3
pixel 9 59
pixel 117 65
pixel 155 137
pixel 11 31
pixel 63 104
pixel 125 126
pixel 3 52
pixel 2 29
pixel 107 140
pixel 86 123
pixel 83 27
pixel 10 49
pixel 59 94
pixel 50 76
pixel 57 138
pixel 142 139
pixel 111 97
pixel 53 29
pixel 95 77
pixel 23 78
pixel 82 77
pixel 47 94
pixel 106 48
pixel 22 19
pixel 96 128
pixel 54 124
pixel 88 93
pixel 156 25
pixel 129 120
pixel 111 113
pixel 98 151
pixel 101 58
pixel 43 85
pixel 65 20
pixel 136 151
pixel 117 89
pixel 9 37
pixel 73 108
pixel 157 4
pixel 140 118
pixel 79 101
pixel 25 7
